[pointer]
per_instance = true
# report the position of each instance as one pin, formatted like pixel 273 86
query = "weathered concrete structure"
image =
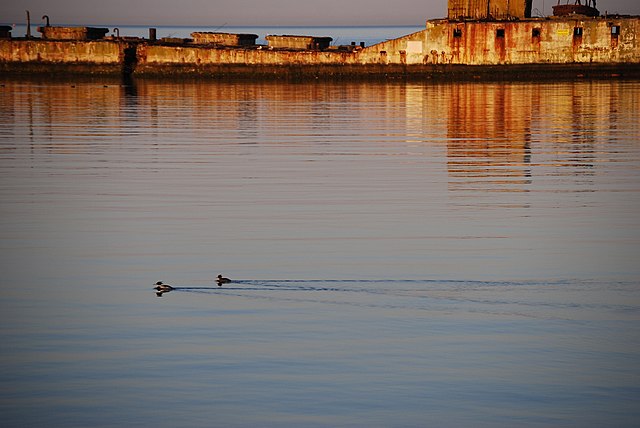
pixel 98 52
pixel 72 33
pixel 488 9
pixel 471 43
pixel 299 42
pixel 224 39
pixel 85 57
pixel 576 39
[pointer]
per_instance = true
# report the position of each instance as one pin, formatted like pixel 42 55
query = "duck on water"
pixel 222 280
pixel 162 288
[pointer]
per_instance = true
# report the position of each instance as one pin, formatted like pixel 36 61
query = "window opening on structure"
pixel 457 32
pixel 500 33
pixel 535 33
pixel 577 32
pixel 615 30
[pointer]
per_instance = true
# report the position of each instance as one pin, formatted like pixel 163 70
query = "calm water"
pixel 406 255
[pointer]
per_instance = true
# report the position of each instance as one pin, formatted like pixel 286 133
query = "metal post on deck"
pixel 28 25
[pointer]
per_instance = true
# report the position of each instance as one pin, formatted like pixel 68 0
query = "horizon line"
pixel 67 24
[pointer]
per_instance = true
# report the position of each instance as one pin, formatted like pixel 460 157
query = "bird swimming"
pixel 163 288
pixel 222 280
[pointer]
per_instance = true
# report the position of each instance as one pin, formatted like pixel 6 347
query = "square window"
pixel 457 32
pixel 577 32
pixel 535 32
pixel 615 30
pixel 500 33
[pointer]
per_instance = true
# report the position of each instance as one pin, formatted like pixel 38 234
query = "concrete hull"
pixel 445 72
pixel 531 49
pixel 532 41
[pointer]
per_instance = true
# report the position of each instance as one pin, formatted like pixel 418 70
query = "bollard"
pixel 28 25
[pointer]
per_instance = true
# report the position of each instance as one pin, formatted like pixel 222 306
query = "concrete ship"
pixel 492 39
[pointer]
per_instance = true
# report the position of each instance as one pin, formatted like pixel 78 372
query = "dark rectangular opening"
pixel 615 30
pixel 577 32
pixel 457 32
pixel 500 33
pixel 535 33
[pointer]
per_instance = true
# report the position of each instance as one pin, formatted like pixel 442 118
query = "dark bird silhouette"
pixel 222 280
pixel 163 288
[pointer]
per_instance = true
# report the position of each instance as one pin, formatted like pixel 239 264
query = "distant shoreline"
pixel 337 32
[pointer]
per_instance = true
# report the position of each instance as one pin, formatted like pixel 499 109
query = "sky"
pixel 250 12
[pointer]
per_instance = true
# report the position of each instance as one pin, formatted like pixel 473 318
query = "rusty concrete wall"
pixel 97 52
pixel 535 41
pixel 404 50
pixel 202 56
pixel 72 33
pixel 226 39
pixel 485 9
pixel 467 9
pixel 604 41
pixel 298 42
pixel 516 8
pixel 531 41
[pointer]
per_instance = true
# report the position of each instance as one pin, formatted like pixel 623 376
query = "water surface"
pixel 404 254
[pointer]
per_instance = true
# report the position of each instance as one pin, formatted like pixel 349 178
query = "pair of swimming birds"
pixel 162 287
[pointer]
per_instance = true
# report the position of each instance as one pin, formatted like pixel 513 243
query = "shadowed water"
pixel 402 254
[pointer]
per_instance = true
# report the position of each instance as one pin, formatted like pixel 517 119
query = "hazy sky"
pixel 250 12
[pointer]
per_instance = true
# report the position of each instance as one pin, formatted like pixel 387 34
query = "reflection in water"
pixel 492 131
pixel 489 136
pixel 476 248
pixel 162 288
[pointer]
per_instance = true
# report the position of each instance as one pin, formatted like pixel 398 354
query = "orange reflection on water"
pixel 489 136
